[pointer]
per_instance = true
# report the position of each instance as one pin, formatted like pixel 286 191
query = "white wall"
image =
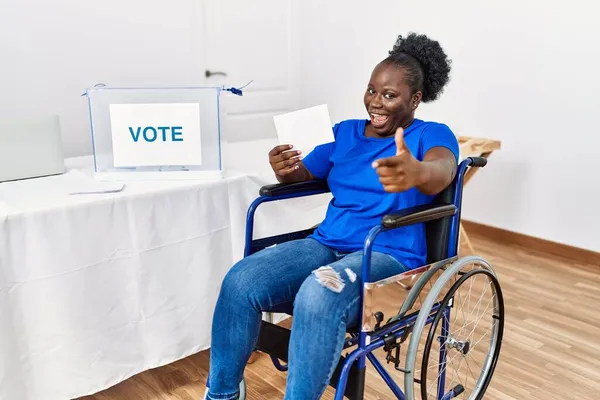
pixel 51 51
pixel 524 72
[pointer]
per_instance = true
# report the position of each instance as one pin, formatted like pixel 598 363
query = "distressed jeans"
pixel 323 286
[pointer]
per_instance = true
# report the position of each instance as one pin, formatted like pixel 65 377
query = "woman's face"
pixel 389 100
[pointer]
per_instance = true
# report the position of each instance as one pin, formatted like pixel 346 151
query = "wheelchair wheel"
pixel 459 337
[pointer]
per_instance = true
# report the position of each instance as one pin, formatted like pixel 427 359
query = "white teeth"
pixel 378 119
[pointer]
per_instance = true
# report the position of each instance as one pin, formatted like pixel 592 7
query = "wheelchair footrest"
pixel 275 340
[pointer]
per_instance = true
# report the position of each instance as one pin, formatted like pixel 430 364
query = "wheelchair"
pixel 425 310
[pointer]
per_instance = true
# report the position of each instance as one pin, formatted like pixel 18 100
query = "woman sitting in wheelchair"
pixel 373 167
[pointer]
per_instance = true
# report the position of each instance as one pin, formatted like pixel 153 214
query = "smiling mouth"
pixel 379 120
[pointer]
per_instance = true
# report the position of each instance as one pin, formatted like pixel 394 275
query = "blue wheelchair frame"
pixel 355 363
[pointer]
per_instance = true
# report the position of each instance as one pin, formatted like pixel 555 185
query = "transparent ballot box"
pixel 155 133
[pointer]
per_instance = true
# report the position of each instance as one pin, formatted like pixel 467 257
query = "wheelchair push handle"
pixel 478 162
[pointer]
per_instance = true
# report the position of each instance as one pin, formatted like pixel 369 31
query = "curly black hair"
pixel 426 64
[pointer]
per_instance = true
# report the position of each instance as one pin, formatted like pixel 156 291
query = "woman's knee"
pixel 326 292
pixel 247 285
pixel 238 281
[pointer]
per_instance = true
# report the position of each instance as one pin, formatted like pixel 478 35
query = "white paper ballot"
pixel 80 183
pixel 305 129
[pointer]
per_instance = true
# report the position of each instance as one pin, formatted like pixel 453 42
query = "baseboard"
pixel 579 255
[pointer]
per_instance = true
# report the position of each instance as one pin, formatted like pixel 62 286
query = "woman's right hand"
pixel 284 160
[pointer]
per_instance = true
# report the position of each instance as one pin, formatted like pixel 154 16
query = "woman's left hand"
pixel 402 171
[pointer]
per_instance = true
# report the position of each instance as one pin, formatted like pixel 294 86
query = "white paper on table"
pixel 80 183
pixel 305 129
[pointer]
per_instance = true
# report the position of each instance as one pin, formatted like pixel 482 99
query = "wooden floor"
pixel 551 347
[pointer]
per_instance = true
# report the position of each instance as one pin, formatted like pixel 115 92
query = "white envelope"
pixel 305 129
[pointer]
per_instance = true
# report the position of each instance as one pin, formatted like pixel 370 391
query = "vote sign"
pixel 158 134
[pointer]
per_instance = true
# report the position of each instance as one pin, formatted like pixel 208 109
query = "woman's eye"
pixel 371 91
pixel 389 96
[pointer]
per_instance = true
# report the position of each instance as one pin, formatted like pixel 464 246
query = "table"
pixel 97 288
pixel 474 147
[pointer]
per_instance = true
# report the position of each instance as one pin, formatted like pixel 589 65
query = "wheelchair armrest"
pixel 418 214
pixel 284 189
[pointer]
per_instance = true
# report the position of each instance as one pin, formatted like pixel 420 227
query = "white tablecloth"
pixel 96 288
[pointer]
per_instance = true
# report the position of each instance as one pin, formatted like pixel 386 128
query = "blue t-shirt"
pixel 359 201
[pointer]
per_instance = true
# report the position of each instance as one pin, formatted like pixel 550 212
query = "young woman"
pixel 374 167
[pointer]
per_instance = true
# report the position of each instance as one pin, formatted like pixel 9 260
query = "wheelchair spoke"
pixel 455 374
pixel 462 308
pixel 470 371
pixel 434 382
pixel 474 323
pixel 475 361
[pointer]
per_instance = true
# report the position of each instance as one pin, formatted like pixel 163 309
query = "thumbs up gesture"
pixel 402 171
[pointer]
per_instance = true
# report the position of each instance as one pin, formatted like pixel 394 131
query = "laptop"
pixel 30 148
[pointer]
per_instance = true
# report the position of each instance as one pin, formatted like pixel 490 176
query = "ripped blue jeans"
pixel 323 286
